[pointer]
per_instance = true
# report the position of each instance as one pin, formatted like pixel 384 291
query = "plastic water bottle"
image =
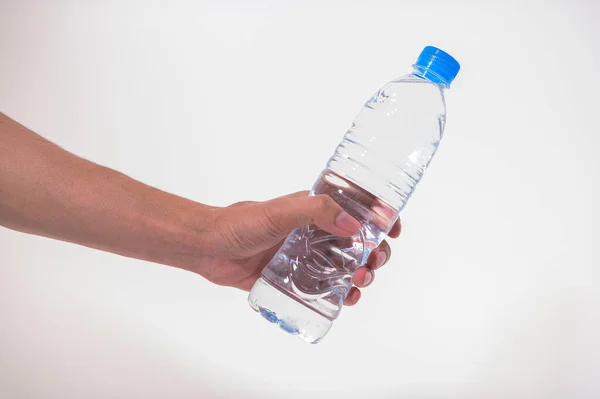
pixel 371 175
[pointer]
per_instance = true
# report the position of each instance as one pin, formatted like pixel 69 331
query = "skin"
pixel 47 191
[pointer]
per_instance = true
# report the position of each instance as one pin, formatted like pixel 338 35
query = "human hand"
pixel 245 236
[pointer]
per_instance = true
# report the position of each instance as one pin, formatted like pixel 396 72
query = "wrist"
pixel 149 224
pixel 185 236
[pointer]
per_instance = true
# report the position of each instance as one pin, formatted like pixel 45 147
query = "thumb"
pixel 284 214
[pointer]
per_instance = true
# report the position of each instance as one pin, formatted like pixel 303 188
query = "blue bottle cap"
pixel 436 65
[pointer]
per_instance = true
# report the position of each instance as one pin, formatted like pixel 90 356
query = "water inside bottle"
pixel 315 267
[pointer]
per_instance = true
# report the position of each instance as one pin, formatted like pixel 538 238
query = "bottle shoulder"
pixel 411 78
pixel 416 84
pixel 410 92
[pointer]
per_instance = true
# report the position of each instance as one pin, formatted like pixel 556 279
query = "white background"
pixel 493 289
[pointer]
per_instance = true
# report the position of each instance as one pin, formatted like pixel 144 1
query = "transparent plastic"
pixel 372 174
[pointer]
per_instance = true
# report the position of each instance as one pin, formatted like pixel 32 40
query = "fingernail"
pixel 347 223
pixel 368 278
pixel 380 259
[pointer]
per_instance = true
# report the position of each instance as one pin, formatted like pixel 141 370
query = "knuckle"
pixel 242 203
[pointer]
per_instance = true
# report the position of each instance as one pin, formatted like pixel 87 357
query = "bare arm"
pixel 48 191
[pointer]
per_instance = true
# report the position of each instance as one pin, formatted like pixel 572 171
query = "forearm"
pixel 48 191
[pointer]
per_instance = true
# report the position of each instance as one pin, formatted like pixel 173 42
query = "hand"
pixel 246 236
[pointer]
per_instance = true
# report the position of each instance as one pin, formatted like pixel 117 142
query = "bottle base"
pixel 290 315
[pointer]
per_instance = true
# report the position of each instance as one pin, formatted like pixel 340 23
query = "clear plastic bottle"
pixel 371 175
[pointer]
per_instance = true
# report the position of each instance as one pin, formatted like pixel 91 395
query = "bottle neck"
pixel 428 74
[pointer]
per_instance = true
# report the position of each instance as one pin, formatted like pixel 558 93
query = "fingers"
pixel 395 230
pixel 363 277
pixel 284 214
pixel 352 297
pixel 379 256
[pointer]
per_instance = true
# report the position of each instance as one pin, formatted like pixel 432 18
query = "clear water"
pixel 316 267
pixel 372 174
